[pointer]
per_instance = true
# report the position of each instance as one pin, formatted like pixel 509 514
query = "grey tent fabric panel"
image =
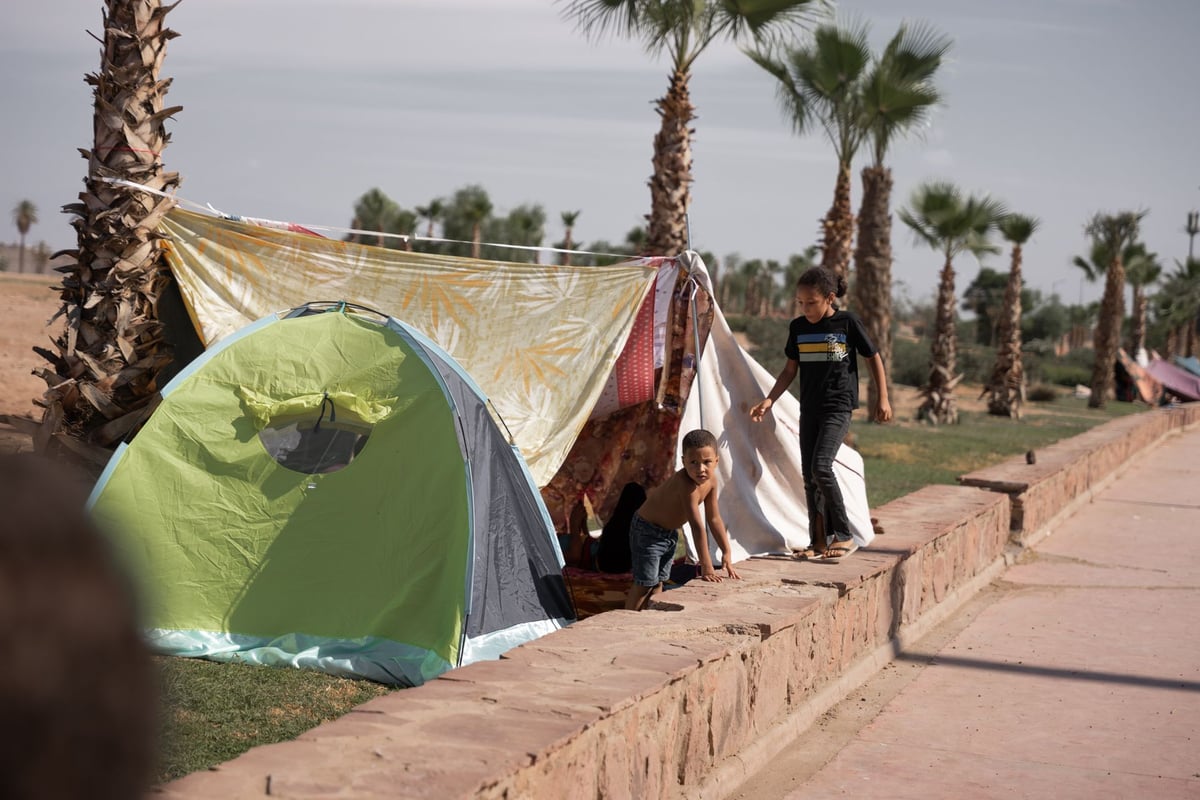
pixel 516 576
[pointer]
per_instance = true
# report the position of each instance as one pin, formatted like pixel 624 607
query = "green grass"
pixel 213 712
pixel 902 458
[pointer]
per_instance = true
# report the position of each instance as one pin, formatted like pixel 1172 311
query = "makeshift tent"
pixel 1176 380
pixel 591 367
pixel 1133 382
pixel 1190 363
pixel 329 490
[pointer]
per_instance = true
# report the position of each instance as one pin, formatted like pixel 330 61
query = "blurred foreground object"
pixel 77 693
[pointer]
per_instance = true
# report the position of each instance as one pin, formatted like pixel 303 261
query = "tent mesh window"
pixel 313 447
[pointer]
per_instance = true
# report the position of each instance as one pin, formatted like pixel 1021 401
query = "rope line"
pixel 210 209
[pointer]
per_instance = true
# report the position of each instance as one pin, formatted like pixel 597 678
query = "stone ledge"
pixel 1070 471
pixel 643 705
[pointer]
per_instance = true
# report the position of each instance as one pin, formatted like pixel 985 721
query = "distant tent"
pixel 1134 383
pixel 328 490
pixel 1190 363
pixel 1178 381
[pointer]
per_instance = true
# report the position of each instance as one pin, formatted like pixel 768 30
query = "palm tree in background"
pixel 1113 233
pixel 24 217
pixel 821 83
pixel 681 29
pixel 568 243
pixel 1005 390
pixel 375 211
pixel 1191 229
pixel 1141 269
pixel 1179 307
pixel 476 207
pixel 113 350
pixel 526 227
pixel 941 217
pixel 897 98
pixel 431 214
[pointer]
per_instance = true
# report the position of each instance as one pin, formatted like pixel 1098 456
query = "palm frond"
pixel 1017 228
pixel 768 21
pixel 1089 268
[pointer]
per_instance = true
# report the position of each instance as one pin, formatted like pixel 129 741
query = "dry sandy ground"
pixel 26 304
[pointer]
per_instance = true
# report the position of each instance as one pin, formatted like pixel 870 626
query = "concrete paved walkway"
pixel 1081 677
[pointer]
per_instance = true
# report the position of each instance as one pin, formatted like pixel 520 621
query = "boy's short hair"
pixel 699 438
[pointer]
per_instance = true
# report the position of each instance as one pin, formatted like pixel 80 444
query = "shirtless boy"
pixel 652 534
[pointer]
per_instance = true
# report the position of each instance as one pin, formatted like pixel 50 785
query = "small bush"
pixel 1042 393
pixel 910 362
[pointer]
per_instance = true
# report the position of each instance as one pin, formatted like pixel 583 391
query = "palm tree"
pixel 1005 390
pixel 1179 307
pixel 821 82
pixel 897 98
pixel 474 207
pixel 1191 229
pixel 1113 233
pixel 114 352
pixel 681 29
pixel 942 218
pixel 526 227
pixel 24 216
pixel 568 221
pixel 1141 270
pixel 431 213
pixel 375 211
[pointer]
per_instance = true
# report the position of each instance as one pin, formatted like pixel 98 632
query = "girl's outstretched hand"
pixel 757 413
pixel 883 412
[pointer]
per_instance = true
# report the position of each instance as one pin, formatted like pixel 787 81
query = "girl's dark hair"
pixel 824 281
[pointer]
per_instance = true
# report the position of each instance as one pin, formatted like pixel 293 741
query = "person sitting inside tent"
pixel 609 552
pixel 652 535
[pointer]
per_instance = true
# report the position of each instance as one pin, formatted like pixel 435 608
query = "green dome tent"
pixel 328 490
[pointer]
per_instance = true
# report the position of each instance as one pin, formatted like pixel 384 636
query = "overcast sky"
pixel 294 108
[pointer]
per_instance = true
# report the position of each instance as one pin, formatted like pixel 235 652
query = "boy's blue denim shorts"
pixel 653 551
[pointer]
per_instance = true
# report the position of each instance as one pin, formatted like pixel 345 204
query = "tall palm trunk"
pixel 939 405
pixel 476 239
pixel 112 351
pixel 1137 332
pixel 568 245
pixel 1172 346
pixel 670 185
pixel 1108 334
pixel 872 296
pixel 1006 389
pixel 21 251
pixel 838 227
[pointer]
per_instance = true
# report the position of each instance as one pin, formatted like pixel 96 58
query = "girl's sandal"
pixel 807 554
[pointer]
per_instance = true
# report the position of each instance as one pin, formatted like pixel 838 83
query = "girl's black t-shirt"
pixel 828 368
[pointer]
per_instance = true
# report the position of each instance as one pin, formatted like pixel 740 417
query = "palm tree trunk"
pixel 838 227
pixel 476 239
pixel 939 406
pixel 670 185
pixel 112 352
pixel 1006 388
pixel 1137 337
pixel 568 245
pixel 21 252
pixel 1108 334
pixel 872 296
